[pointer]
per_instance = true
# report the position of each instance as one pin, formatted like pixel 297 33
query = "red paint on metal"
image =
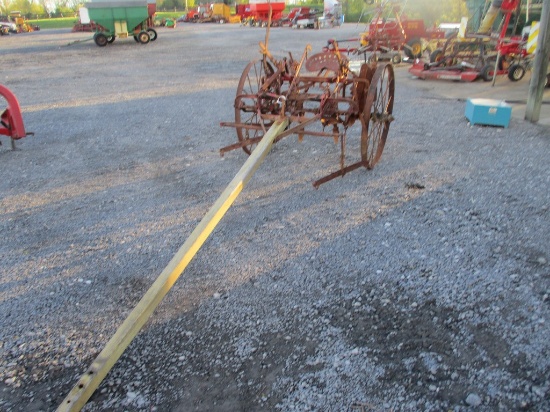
pixel 11 119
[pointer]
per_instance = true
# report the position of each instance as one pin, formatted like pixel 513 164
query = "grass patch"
pixel 69 22
pixel 56 23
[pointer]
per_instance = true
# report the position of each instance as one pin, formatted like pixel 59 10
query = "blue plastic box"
pixel 488 112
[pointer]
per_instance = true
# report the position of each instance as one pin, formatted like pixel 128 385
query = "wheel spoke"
pixel 250 102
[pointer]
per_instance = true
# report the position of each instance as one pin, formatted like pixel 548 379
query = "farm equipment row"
pixel 470 56
pixel 391 35
pixel 256 14
pixel 16 23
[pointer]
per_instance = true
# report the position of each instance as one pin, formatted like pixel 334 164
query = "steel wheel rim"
pixel 247 105
pixel 416 49
pixel 377 115
pixel 518 73
pixel 100 39
pixel 144 37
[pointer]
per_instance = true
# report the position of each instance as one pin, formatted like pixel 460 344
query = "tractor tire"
pixel 110 39
pixel 547 83
pixel 100 39
pixel 152 34
pixel 144 37
pixel 487 72
pixel 436 56
pixel 415 48
pixel 396 58
pixel 516 72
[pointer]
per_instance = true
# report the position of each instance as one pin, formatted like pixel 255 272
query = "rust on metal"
pixel 327 93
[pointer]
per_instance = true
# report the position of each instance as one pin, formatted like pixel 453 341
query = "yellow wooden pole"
pixel 89 381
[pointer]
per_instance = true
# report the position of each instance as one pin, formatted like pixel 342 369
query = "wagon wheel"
pixel 436 56
pixel 487 72
pixel 250 101
pixel 152 34
pixel 377 115
pixel 143 37
pixel 414 48
pixel 516 72
pixel 100 39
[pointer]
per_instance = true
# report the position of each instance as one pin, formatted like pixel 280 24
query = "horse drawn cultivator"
pixel 317 92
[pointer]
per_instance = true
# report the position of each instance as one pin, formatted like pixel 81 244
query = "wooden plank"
pixel 91 379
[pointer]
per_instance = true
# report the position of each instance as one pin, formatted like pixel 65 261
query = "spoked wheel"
pixel 377 115
pixel 250 102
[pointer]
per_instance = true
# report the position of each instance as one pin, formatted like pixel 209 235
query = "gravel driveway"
pixel 420 285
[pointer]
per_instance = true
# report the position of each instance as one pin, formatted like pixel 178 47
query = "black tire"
pixel 487 72
pixel 143 37
pixel 516 72
pixel 415 48
pixel 110 39
pixel 100 39
pixel 152 34
pixel 547 83
pixel 396 58
pixel 436 56
pixel 136 39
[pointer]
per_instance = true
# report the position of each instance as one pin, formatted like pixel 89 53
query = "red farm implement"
pixel 470 56
pixel 399 34
pixel 11 121
pixel 257 14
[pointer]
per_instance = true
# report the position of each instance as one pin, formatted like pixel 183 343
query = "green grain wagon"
pixel 120 19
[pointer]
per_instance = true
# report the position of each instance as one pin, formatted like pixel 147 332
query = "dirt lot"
pixel 420 285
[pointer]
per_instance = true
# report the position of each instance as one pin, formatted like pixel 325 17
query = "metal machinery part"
pixel 326 92
pixel 11 121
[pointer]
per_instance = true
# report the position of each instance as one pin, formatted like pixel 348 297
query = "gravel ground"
pixel 420 285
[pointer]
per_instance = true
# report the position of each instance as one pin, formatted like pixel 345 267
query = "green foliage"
pixel 435 12
pixel 175 4
pixel 24 6
pixel 55 23
pixel 168 14
pixel 37 10
pixel 431 11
